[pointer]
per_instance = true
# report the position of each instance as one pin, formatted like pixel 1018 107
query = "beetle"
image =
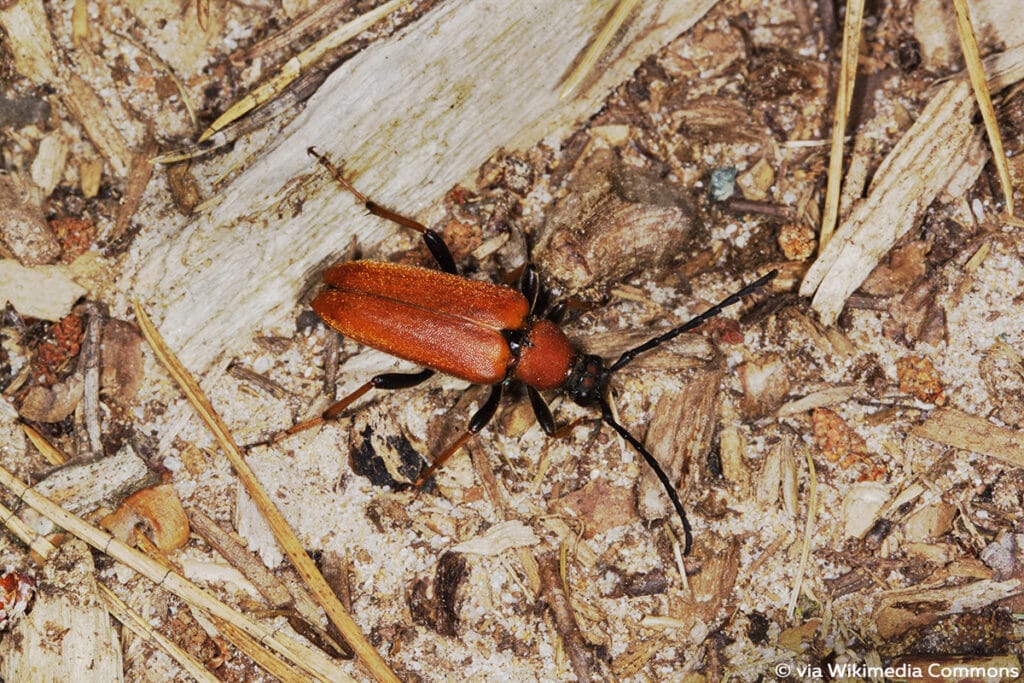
pixel 481 332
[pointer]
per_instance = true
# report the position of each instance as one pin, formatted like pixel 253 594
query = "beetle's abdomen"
pixel 441 321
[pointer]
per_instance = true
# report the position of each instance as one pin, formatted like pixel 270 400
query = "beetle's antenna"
pixel 606 415
pixel 690 324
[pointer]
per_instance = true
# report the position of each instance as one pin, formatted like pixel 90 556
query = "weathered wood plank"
pixel 410 117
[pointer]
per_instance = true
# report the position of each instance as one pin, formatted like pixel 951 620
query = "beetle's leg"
pixel 556 313
pixel 529 285
pixel 389 380
pixel 476 423
pixel 541 410
pixel 546 420
pixel 435 243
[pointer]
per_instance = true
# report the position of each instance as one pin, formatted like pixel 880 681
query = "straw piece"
pixel 134 622
pixel 593 53
pixel 304 565
pixel 812 507
pixel 120 611
pixel 312 661
pixel 976 71
pixel 844 97
pixel 294 66
pixel 52 455
pixel 24 533
pixel 247 644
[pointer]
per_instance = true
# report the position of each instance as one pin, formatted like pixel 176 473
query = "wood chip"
pixel 499 538
pixel 67 611
pixel 28 30
pixel 91 111
pixel 26 234
pixel 900 612
pixel 52 403
pixel 679 437
pixel 908 181
pixel 1002 370
pixel 971 433
pixel 156 507
pixel 608 202
pixel 828 396
pixel 48 166
pixel 82 487
pixel 44 292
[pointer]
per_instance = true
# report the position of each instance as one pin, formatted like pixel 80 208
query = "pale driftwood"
pixel 410 118
pixel 921 165
pixel 67 610
pixel 46 292
pixel 971 433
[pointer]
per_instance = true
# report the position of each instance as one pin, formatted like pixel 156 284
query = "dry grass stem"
pixel 252 647
pixel 844 97
pixel 590 57
pixel 314 662
pixel 291 545
pixel 812 507
pixel 52 455
pixel 976 71
pixel 134 622
pixel 40 545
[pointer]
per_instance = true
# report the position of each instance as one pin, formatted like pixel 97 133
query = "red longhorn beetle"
pixel 481 332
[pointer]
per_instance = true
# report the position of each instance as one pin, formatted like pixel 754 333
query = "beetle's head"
pixel 588 378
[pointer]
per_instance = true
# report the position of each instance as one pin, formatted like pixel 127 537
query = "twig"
pixel 580 655
pixel 291 545
pixel 139 175
pixel 270 587
pixel 239 371
pixel 89 367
